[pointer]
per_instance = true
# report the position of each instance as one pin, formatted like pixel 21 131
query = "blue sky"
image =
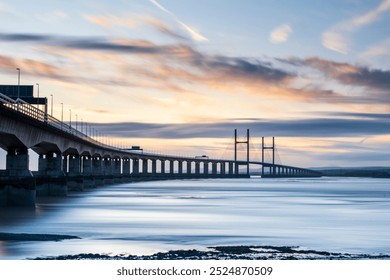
pixel 179 76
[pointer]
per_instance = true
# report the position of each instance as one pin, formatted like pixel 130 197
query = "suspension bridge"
pixel 69 159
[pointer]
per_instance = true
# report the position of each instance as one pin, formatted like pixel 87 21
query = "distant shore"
pixel 34 237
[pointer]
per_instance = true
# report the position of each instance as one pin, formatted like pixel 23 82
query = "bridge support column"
pixel 87 165
pixel 125 170
pixel 188 167
pixel 135 166
pixel 154 167
pixel 75 180
pixel 52 179
pixel 19 189
pixel 206 168
pixel 223 171
pixel 145 166
pixel 74 165
pixel 97 170
pixel 171 167
pixel 17 163
pixel 126 167
pixel 236 169
pixel 116 165
pixel 162 166
pixel 65 164
pixel 180 163
pixel 214 168
pixel 108 168
pixel 97 166
pixel 87 171
pixel 231 170
pixel 197 168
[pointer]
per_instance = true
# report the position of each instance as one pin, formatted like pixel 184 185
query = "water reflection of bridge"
pixel 70 159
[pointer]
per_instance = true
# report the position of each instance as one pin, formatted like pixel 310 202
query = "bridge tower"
pixel 236 166
pixel 263 147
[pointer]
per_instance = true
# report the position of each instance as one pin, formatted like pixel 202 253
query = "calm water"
pixel 350 215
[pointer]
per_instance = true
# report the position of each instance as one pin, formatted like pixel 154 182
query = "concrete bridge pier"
pixel 87 172
pixel 162 166
pixel 154 167
pixel 19 188
pixel 108 173
pixel 51 179
pixel 206 168
pixel 116 169
pixel 125 170
pixel 180 167
pixel 231 170
pixel 145 166
pixel 223 168
pixel 135 166
pixel 126 167
pixel 97 170
pixel 197 168
pixel 214 168
pixel 75 179
pixel 171 167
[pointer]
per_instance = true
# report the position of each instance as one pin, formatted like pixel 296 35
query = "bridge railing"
pixel 27 109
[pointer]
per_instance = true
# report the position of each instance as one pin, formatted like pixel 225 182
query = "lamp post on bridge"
pixel 70 118
pixel 51 104
pixel 76 121
pixel 38 95
pixel 62 114
pixel 18 69
pixel 17 105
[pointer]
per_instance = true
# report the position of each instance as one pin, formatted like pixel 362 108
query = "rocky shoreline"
pixel 210 253
pixel 229 253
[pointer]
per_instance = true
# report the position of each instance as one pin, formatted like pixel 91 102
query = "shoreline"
pixel 238 252
pixel 227 253
pixel 34 237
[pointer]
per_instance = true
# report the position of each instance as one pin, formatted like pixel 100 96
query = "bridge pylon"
pixel 236 165
pixel 263 147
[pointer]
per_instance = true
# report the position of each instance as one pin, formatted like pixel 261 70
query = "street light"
pixel 38 95
pixel 51 104
pixel 76 121
pixel 70 118
pixel 18 69
pixel 62 112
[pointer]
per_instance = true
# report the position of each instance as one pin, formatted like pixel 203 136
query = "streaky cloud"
pixel 349 74
pixel 194 34
pixel 337 37
pixel 134 21
pixel 360 126
pixel 92 43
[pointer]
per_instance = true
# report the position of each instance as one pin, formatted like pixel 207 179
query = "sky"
pixel 179 76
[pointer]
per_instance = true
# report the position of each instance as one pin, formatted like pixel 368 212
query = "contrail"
pixel 195 35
